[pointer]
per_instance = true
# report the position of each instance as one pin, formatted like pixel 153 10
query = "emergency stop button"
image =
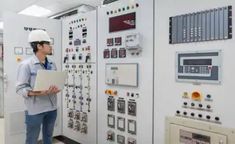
pixel 196 96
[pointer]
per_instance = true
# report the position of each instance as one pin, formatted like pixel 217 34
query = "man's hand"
pixel 52 90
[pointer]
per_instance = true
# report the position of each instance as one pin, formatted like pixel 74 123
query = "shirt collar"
pixel 36 60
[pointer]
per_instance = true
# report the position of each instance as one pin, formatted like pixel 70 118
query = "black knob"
pixel 185 103
pixel 200 115
pixel 200 105
pixel 132 94
pixel 208 96
pixel 185 113
pixel 217 118
pixel 178 112
pixel 192 114
pixel 208 106
pixel 192 104
pixel 208 117
pixel 88 99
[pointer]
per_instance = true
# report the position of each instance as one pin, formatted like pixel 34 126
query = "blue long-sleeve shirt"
pixel 26 76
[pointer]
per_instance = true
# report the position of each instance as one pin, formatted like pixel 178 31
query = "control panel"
pixel 194 73
pixel 199 67
pixel 200 106
pixel 79 94
pixel 125 72
pixel 183 131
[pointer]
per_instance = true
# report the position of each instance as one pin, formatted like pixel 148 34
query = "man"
pixel 41 105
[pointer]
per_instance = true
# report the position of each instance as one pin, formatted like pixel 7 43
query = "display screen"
pixel 122 22
pixel 197 62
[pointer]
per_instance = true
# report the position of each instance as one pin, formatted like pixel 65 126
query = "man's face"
pixel 45 48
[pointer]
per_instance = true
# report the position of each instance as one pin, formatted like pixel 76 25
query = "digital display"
pixel 197 62
pixel 122 22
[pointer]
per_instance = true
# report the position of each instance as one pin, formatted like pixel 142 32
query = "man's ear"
pixel 39 46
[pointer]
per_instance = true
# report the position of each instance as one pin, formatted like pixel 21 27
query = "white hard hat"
pixel 38 36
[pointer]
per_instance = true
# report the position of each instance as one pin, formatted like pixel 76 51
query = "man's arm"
pixel 22 81
pixel 23 87
pixel 51 90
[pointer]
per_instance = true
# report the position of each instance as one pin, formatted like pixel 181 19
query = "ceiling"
pixel 56 6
